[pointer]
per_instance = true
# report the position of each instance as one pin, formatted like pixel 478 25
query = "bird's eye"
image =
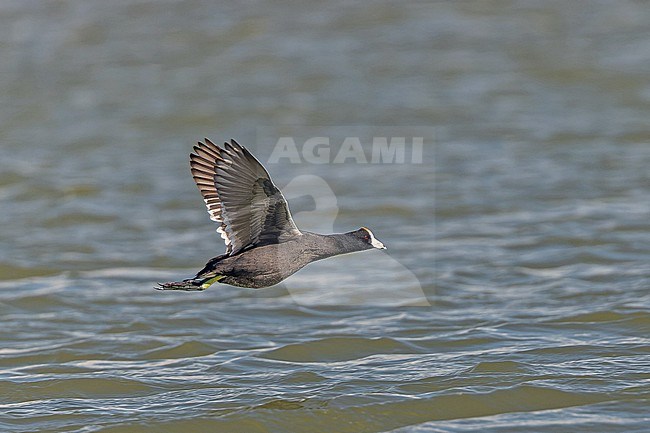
pixel 366 237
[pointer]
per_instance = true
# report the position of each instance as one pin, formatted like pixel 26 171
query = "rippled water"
pixel 514 292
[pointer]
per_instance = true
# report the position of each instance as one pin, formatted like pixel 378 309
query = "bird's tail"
pixel 190 284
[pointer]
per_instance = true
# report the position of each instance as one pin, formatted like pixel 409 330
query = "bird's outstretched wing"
pixel 240 196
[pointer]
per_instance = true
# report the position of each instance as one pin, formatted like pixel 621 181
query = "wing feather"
pixel 240 196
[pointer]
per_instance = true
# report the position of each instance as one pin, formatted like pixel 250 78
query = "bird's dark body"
pixel 266 265
pixel 263 244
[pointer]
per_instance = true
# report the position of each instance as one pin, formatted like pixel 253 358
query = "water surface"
pixel 514 292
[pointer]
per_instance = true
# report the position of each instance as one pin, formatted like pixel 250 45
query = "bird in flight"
pixel 263 244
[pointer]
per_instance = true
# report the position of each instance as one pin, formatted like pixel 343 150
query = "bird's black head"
pixel 367 238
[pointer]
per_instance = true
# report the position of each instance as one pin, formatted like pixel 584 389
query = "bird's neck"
pixel 335 244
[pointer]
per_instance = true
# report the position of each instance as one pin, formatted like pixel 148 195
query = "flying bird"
pixel 263 244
